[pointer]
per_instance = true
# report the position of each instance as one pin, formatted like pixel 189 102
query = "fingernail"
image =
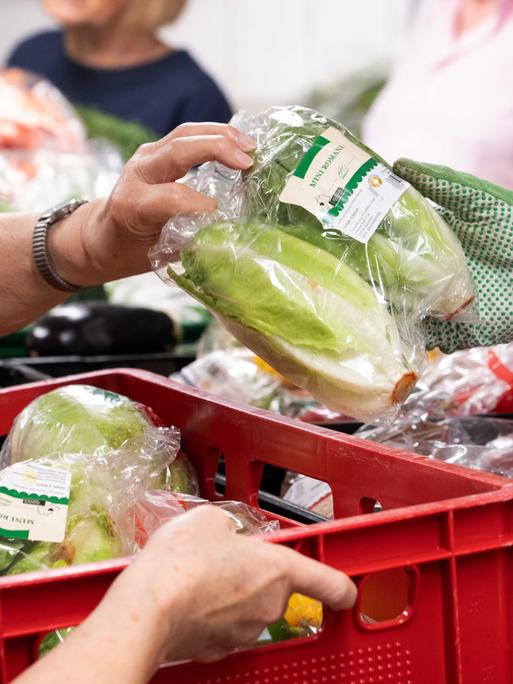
pixel 243 159
pixel 243 141
pixel 247 143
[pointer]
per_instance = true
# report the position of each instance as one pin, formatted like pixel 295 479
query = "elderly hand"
pixel 117 233
pixel 197 591
pixel 211 590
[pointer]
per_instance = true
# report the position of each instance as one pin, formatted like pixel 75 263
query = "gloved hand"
pixel 481 216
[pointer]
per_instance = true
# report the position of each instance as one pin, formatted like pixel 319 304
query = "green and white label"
pixel 343 186
pixel 34 502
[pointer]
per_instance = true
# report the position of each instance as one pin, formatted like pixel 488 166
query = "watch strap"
pixel 40 253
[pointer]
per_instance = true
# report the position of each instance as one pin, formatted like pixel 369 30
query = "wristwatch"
pixel 40 254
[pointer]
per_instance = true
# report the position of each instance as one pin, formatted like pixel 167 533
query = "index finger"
pixel 173 160
pixel 189 130
pixel 319 581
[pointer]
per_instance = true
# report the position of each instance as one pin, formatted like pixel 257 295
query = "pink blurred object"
pixel 45 157
pixel 446 102
pixel 34 114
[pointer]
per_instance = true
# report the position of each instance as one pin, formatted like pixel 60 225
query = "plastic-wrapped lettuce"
pixel 83 518
pixel 320 260
pixel 81 419
pixel 410 256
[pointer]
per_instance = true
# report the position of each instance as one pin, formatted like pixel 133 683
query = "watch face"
pixel 63 209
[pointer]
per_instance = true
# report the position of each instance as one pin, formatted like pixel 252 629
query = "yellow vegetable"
pixel 303 610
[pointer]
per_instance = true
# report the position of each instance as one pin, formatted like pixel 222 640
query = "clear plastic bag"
pixel 477 442
pixel 104 486
pixel 303 616
pixel 474 379
pixel 320 260
pixel 154 508
pixel 309 493
pixel 34 114
pixel 81 419
pixel 238 375
pixel 44 155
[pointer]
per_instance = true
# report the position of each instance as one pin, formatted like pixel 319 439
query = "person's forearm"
pixel 25 294
pixel 81 251
pixel 115 644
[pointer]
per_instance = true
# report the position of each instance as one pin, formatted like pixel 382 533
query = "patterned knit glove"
pixel 481 216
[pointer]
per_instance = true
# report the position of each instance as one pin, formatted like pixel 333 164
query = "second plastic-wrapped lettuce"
pixel 81 419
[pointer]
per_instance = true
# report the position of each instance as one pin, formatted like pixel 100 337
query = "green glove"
pixel 481 216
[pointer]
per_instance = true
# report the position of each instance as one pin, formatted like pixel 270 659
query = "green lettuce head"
pixel 81 419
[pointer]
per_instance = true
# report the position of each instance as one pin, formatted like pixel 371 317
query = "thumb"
pixel 434 182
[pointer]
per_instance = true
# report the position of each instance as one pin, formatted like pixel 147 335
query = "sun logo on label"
pixel 375 181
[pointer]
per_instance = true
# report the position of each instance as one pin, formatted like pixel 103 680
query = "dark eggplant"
pixel 98 328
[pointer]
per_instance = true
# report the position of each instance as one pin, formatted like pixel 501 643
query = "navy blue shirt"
pixel 159 95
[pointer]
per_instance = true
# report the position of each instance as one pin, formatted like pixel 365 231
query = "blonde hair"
pixel 152 14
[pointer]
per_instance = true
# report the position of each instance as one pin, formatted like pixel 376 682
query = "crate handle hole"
pixel 387 598
pixel 219 474
pixel 370 505
pixel 309 494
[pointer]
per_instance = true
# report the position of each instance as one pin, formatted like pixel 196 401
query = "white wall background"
pixel 264 51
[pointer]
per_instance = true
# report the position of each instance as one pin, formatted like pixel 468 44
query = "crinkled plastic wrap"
pixel 81 419
pixel 320 260
pixel 34 114
pixel 240 376
pixel 154 508
pixel 478 442
pixel 73 419
pixel 309 493
pixel 430 424
pixel 474 379
pixel 104 486
pixel 44 155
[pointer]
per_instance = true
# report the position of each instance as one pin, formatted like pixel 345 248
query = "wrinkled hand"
pixel 117 233
pixel 211 590
pixel 481 216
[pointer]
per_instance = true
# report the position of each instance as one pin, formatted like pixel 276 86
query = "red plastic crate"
pixel 450 529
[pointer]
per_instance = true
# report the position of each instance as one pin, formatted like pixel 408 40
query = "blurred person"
pixel 107 55
pixel 449 100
